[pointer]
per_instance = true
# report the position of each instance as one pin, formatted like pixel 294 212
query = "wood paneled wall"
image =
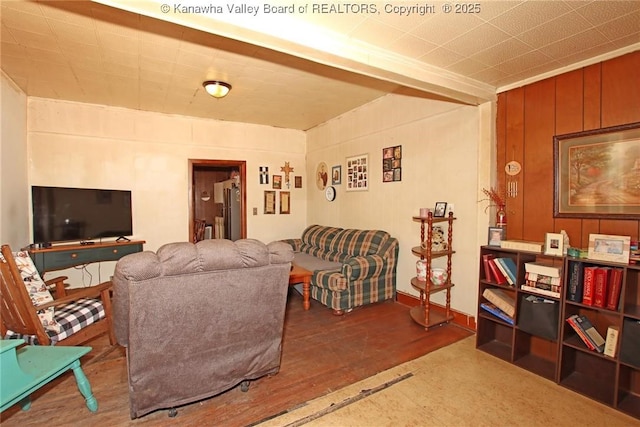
pixel 598 96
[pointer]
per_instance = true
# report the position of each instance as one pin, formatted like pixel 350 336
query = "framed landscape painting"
pixel 597 173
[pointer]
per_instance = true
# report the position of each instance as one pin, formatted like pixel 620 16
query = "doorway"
pixel 217 195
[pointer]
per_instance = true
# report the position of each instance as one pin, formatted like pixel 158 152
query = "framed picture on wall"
pixel 336 175
pixel 277 182
pixel 285 202
pixel 358 173
pixel 270 202
pixel 596 173
pixel 392 164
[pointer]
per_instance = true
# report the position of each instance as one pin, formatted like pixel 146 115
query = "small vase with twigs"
pixel 498 200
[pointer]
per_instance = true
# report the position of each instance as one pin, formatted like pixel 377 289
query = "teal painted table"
pixel 25 370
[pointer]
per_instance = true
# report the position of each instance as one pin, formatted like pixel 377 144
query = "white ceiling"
pixel 297 70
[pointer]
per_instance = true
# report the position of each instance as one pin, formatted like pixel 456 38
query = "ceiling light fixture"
pixel 216 88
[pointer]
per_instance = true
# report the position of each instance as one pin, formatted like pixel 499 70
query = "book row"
pixel 499 270
pixel 596 286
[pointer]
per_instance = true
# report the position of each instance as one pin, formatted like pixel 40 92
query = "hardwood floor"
pixel 321 353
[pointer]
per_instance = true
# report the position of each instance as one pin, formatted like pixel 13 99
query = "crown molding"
pixel 572 67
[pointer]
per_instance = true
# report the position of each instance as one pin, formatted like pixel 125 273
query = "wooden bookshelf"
pixel 566 360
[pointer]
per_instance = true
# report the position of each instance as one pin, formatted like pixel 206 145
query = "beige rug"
pixel 454 386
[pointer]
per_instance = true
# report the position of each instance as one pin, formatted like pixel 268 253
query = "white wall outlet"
pixel 255 211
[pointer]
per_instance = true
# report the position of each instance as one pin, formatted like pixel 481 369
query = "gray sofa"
pixel 199 319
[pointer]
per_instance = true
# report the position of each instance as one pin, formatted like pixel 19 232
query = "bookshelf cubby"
pixel 509 342
pixel 566 360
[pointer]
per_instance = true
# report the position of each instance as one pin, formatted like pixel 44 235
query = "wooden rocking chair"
pixel 72 309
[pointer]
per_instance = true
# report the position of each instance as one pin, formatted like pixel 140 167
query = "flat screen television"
pixel 66 214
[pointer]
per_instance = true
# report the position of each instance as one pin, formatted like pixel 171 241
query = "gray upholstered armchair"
pixel 199 319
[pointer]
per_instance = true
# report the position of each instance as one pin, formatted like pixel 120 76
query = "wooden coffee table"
pixel 301 275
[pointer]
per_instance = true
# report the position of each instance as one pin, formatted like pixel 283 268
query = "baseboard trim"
pixel 461 319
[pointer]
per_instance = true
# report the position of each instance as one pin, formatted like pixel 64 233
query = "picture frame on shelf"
pixel 554 244
pixel 440 209
pixel 496 235
pixel 604 247
pixel 585 161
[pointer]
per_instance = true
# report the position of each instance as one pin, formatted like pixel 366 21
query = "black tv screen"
pixel 65 214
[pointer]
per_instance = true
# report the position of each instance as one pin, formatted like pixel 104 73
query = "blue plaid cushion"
pixel 72 317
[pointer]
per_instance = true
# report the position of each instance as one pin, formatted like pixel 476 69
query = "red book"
pixel 589 284
pixel 601 281
pixel 485 265
pixel 613 290
pixel 580 333
pixel 497 274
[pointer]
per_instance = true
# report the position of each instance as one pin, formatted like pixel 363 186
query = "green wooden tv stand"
pixel 65 256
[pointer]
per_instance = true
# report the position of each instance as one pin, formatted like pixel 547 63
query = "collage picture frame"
pixel 358 173
pixel 392 164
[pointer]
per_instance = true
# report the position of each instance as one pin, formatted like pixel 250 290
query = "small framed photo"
pixel 336 175
pixel 554 244
pixel 496 235
pixel 298 181
pixel 440 209
pixel 604 247
pixel 277 182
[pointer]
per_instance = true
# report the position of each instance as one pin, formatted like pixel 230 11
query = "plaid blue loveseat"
pixel 350 267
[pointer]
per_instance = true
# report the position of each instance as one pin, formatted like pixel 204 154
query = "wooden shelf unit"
pixel 423 314
pixel 566 360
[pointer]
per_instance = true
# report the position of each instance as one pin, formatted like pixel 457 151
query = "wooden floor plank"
pixel 321 353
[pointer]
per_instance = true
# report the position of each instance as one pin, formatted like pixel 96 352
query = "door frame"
pixel 241 165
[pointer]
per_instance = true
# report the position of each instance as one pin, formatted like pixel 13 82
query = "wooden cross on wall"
pixel 287 170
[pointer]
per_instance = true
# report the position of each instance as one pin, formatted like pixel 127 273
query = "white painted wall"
pixel 447 156
pixel 14 199
pixel 93 146
pixel 440 162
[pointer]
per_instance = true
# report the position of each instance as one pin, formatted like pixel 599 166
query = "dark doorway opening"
pixel 217 195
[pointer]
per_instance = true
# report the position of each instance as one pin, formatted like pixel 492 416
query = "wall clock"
pixel 513 168
pixel 330 193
